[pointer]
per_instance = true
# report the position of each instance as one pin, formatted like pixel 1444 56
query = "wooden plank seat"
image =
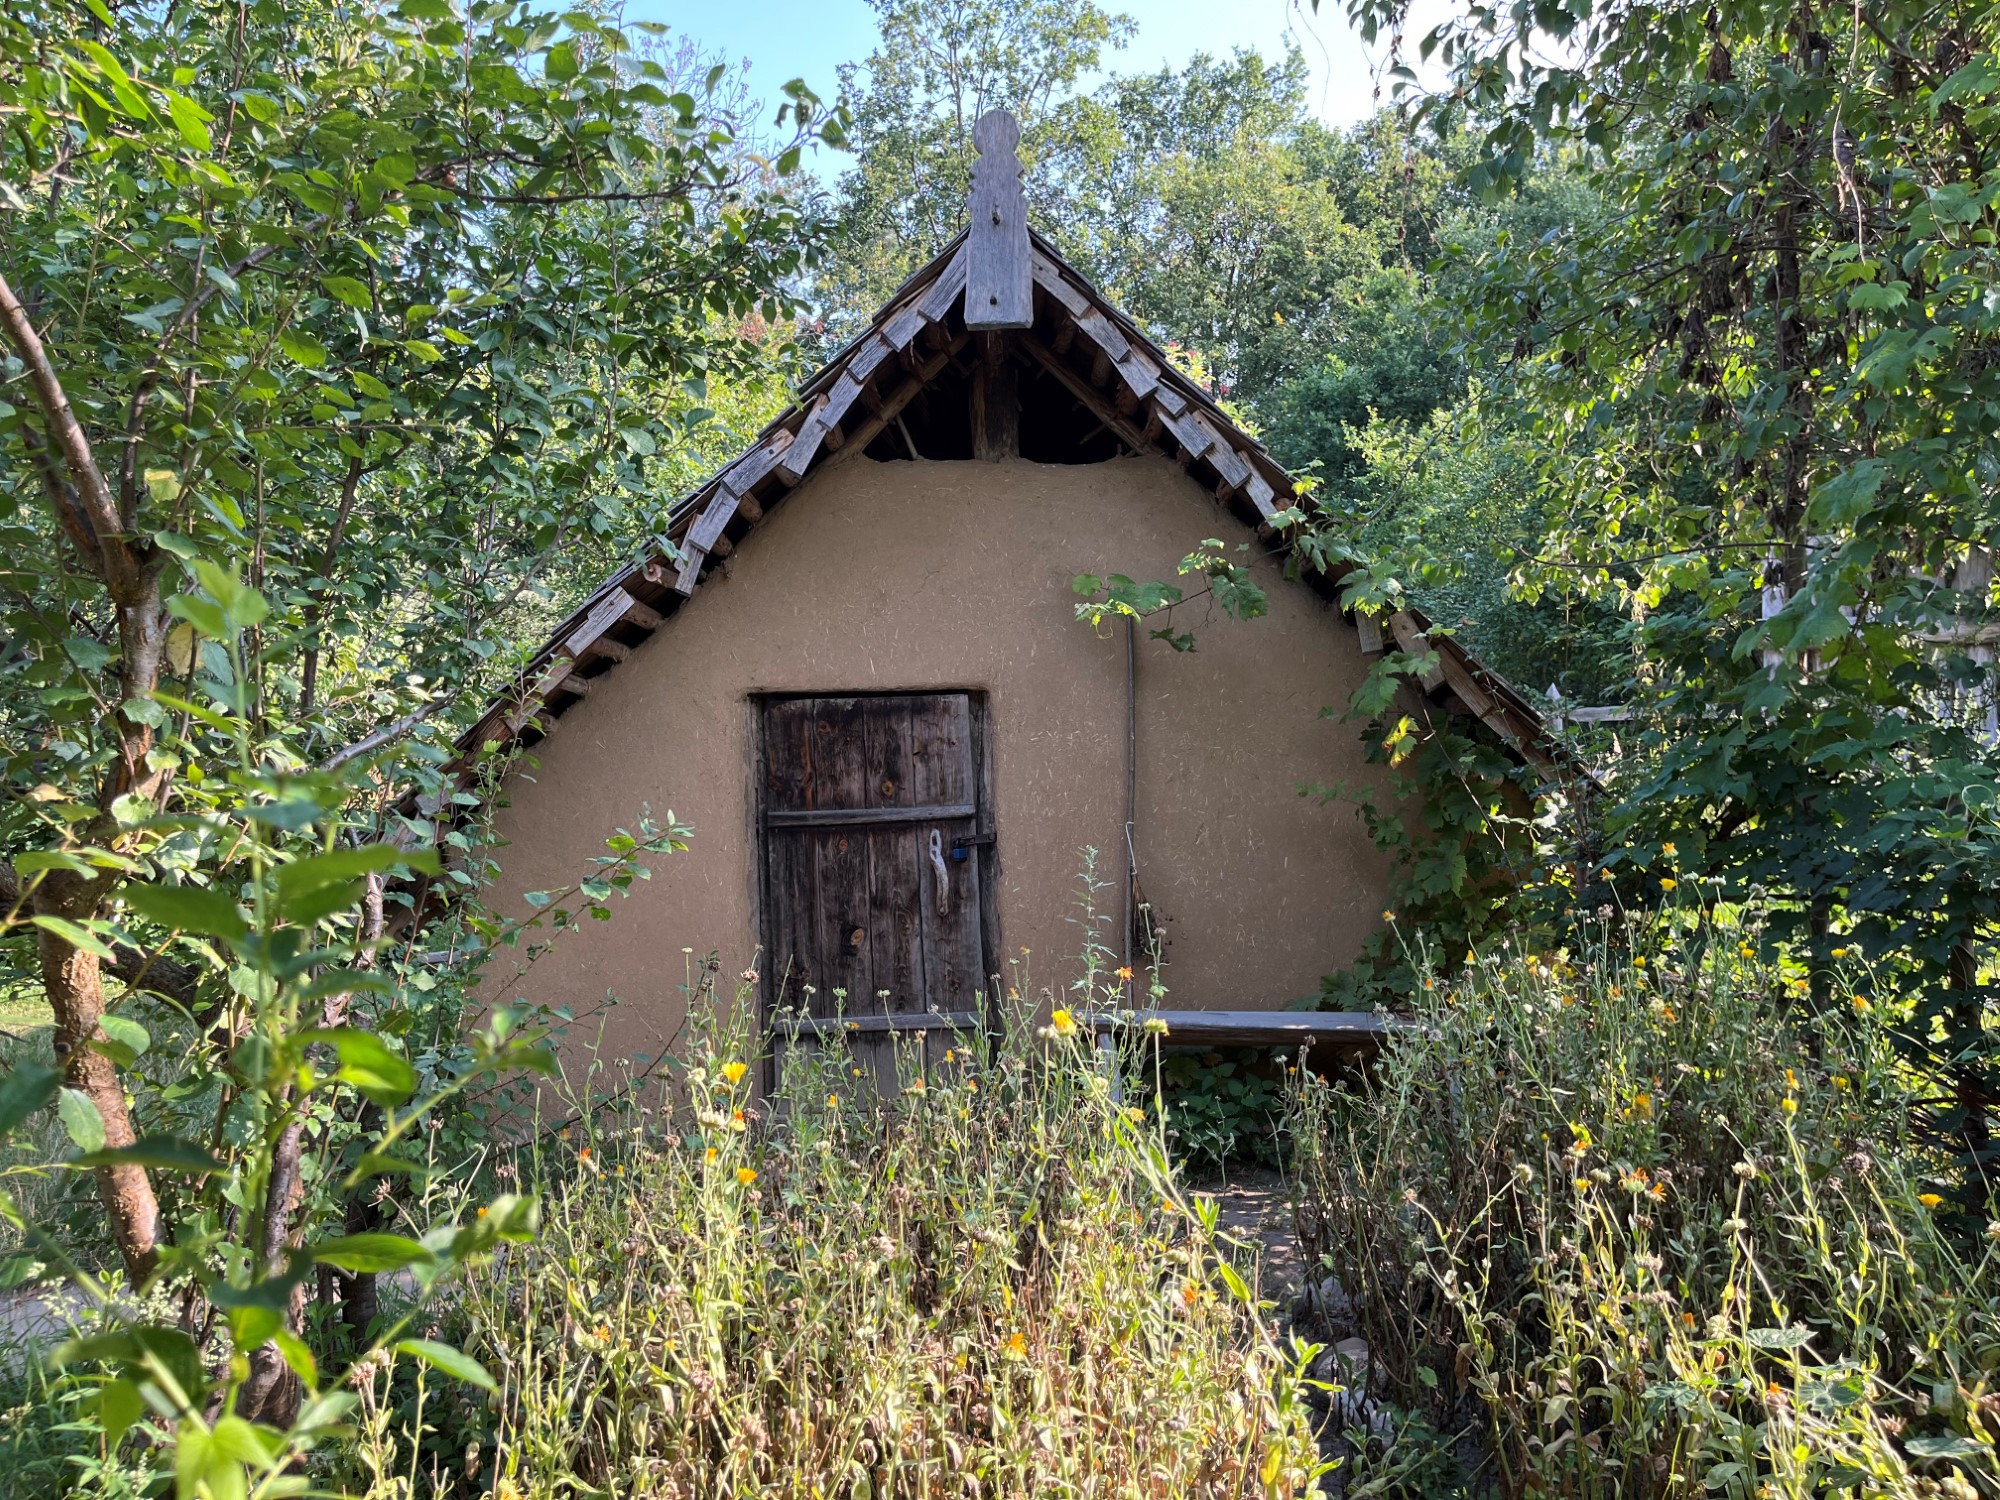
pixel 1345 1033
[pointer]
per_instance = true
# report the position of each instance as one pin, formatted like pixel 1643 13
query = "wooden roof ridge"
pixel 1078 337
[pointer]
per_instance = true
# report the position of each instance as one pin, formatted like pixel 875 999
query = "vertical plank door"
pixel 875 861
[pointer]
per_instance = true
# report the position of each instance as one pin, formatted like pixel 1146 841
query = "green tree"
pixel 939 66
pixel 369 307
pixel 1763 380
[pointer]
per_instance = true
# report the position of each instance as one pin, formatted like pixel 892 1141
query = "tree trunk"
pixel 74 982
pixel 103 528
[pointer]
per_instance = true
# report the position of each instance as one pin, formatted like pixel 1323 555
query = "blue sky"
pixel 808 38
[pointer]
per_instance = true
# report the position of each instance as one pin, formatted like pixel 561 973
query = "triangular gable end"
pixel 1097 354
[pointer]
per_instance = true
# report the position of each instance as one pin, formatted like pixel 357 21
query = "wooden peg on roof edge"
pixel 999 284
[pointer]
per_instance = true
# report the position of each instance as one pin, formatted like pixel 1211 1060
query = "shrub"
pixel 1657 1232
pixel 987 1284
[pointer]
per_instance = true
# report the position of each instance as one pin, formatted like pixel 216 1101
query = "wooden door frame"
pixel 979 716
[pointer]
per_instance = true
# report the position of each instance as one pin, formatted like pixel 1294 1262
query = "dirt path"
pixel 1254 1208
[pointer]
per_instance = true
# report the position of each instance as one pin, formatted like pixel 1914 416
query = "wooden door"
pixel 876 864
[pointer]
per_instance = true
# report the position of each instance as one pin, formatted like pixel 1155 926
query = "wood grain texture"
pixel 996 402
pixel 999 283
pixel 606 612
pixel 852 790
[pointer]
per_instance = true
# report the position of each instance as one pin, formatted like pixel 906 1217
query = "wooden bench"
pixel 1351 1036
pixel 1355 1033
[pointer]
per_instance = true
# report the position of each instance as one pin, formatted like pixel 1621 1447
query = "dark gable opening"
pixel 1056 428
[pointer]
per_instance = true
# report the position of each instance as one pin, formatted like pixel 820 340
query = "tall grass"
pixel 1651 1228
pixel 988 1284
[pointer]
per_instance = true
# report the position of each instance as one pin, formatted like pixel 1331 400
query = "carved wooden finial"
pixel 999 289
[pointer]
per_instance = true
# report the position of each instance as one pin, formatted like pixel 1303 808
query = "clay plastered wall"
pixel 917 576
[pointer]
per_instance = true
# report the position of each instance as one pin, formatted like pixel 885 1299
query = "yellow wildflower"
pixel 710 1154
pixel 1929 1200
pixel 833 1101
pixel 1388 916
pixel 734 1072
pixel 1861 1005
pixel 1667 882
pixel 1790 1106
pixel 1840 953
pixel 1124 973
pixel 1017 1346
pixel 1063 1022
pixel 1669 850
pixel 916 1088
pixel 745 1176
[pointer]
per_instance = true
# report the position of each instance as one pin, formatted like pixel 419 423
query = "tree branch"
pixel 87 511
pixel 388 733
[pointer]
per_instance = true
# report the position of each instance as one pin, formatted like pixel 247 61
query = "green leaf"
pixel 297 1355
pixel 74 935
pixel 347 289
pixel 303 349
pixel 119 1407
pixel 203 614
pixel 368 1063
pixel 148 1354
pixel 23 1091
pixel 1948 1445
pixel 127 1032
pixel 1234 1282
pixel 81 1119
pixel 191 120
pixel 1849 495
pixel 454 1362
pixel 164 1153
pixel 371 1253
pixel 240 1442
pixel 241 604
pixel 188 908
pixel 38 860
pixel 1883 297
pixel 339 866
